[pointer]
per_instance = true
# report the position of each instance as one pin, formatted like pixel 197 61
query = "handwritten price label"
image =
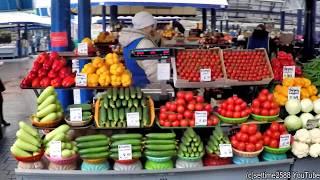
pixel 75 114
pixel 284 140
pixel 163 71
pixel 205 75
pixel 288 71
pixel 125 152
pixel 133 119
pixel 55 149
pixel 225 150
pixel 83 49
pixel 294 93
pixel 81 79
pixel 312 123
pixel 201 118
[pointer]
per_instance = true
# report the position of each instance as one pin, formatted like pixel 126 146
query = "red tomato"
pixel 191 123
pixel 256 111
pixel 200 99
pixel 223 113
pixel 244 128
pixel 230 101
pixel 180 109
pixel 272 112
pixel 262 98
pixel 274 127
pixel 208 108
pixel 184 123
pixel 199 107
pixel 264 112
pixel 167 124
pixel 181 94
pixel 274 105
pixel 244 137
pixel 252 129
pixel 248 110
pixel 266 105
pixel 229 114
pixel 189 96
pixel 276 135
pixel 230 107
pixel 266 140
pixel 163 116
pixel 258 135
pixel 188 114
pixel 270 97
pixel 179 117
pixel 237 108
pixel 175 123
pixel 244 114
pixel 173 107
pixel 172 117
pixel 241 146
pixel 161 122
pixel 282 128
pixel 236 115
pixel 238 136
pixel 238 101
pixel 191 107
pixel 235 143
pixel 168 105
pixel 180 101
pixel 253 139
pixel 264 92
pixel 259 146
pixel 274 144
pixel 215 121
pixel 250 147
pixel 269 133
pixel 243 106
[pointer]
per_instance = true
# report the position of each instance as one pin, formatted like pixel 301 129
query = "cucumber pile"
pixel 86 110
pixel 49 108
pixel 134 139
pixel 68 147
pixel 28 141
pixel 117 102
pixel 93 146
pixel 216 138
pixel 191 145
pixel 160 145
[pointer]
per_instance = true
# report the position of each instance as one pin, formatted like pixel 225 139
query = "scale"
pixel 163 55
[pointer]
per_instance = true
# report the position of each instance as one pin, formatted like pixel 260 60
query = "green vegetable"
pixel 66 153
pixel 136 103
pixel 23 135
pixel 95 155
pixel 94 150
pixel 130 103
pixel 27 128
pixel 45 93
pixel 92 144
pixel 145 116
pixel 160 142
pixel 127 93
pixel 117 137
pixel 61 129
pixel 19 152
pixel 135 155
pixel 50 117
pixel 49 100
pixel 112 103
pixel 110 114
pixel 102 115
pixel 84 107
pixel 133 148
pixel 160 153
pixel 161 135
pixel 90 138
pixel 109 93
pixel 124 103
pixel 115 115
pixel 132 92
pixel 139 92
pixel 105 103
pixel 161 148
pixel 133 142
pixel 114 94
pixel 26 146
pixel 121 114
pixel 47 110
pixel 121 93
pixel 118 103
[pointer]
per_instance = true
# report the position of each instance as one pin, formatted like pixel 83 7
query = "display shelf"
pixel 71 54
pixel 195 127
pixel 204 173
pixel 252 122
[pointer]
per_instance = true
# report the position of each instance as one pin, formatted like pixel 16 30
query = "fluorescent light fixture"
pixel 275 1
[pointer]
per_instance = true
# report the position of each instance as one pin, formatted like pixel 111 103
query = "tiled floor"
pixel 18 106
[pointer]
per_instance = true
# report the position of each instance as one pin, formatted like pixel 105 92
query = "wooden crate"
pixel 181 83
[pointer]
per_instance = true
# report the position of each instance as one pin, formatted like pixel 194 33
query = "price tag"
pixel 75 114
pixel 312 123
pixel 201 118
pixel 83 49
pixel 163 71
pixel 81 79
pixel 294 93
pixel 284 140
pixel 55 149
pixel 133 119
pixel 205 75
pixel 288 71
pixel 125 152
pixel 76 96
pixel 225 150
pixel 75 66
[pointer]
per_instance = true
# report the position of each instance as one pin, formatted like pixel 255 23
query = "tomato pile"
pixel 265 104
pixel 283 59
pixel 246 65
pixel 248 139
pixel 181 111
pixel 234 107
pixel 271 137
pixel 190 62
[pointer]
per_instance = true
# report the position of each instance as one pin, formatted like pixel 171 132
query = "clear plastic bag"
pixel 127 167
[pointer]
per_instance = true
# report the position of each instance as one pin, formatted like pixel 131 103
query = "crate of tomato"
pixel 247 67
pixel 198 68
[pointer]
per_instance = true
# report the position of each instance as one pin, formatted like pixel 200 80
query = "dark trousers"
pixel 1 114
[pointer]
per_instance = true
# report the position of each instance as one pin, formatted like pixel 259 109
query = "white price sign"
pixel 81 79
pixel 294 93
pixel 133 119
pixel 205 75
pixel 225 150
pixel 312 123
pixel 125 152
pixel 83 49
pixel 201 118
pixel 163 71
pixel 76 96
pixel 284 140
pixel 55 149
pixel 75 114
pixel 288 71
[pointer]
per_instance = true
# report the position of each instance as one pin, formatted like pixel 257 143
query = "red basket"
pixel 215 160
pixel 32 158
pixel 126 161
pixel 62 161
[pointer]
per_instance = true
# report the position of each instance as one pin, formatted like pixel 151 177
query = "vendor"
pixel 259 38
pixel 140 37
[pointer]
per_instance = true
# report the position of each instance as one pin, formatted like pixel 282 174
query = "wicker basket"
pixel 50 124
pixel 32 158
pixel 62 161
pixel 246 154
pixel 77 123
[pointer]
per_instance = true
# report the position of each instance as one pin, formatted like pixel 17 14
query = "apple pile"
pixel 49 70
pixel 248 139
pixel 181 111
pixel 271 136
pixel 234 107
pixel 246 65
pixel 265 104
pixel 189 63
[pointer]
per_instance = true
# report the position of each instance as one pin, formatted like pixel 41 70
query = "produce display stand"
pixel 219 172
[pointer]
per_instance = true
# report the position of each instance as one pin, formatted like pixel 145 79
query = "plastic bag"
pixel 30 165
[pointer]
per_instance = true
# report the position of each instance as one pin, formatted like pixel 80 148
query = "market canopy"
pixel 23 18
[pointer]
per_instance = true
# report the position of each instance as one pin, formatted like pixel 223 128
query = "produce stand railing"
pixel 205 173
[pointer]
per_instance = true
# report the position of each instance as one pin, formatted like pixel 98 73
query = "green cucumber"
pixel 115 115
pixel 139 110
pixel 66 153
pixel 135 103
pixel 161 148
pixel 133 148
pixel 132 92
pixel 102 114
pixel 114 94
pixel 118 103
pixel 50 117
pixel 161 135
pixel 145 116
pixel 86 115
pixel 144 102
pixel 127 94
pixel 45 93
pixel 121 114
pixel 94 150
pixel 49 100
pixel 121 93
pixel 92 144
pixel 160 142
pixel 106 102
pixel 124 103
pixel 26 146
pixel 139 92
pixel 95 155
pixel 130 103
pixel 90 138
pixel 109 93
pixel 133 109
pixel 209 150
pixel 47 110
pixel 117 137
pixel 135 155
pixel 126 110
pixel 110 114
pixel 27 128
pixel 160 153
pixel 23 135
pixel 112 104
pixel 19 152
pixel 133 142
pixel 84 107
pixel 61 129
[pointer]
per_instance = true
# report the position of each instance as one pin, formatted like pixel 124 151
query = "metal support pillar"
pixel 113 15
pixel 19 40
pixel 227 25
pixel 103 14
pixel 213 19
pixel 282 20
pixel 299 22
pixel 60 29
pixel 84 30
pixel 309 29
pixel 221 25
pixel 204 19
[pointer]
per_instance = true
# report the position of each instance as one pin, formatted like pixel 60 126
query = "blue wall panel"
pixel 10 5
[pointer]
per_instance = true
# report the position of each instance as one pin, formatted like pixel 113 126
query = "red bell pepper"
pixel 56 82
pixel 64 72
pixel 36 82
pixel 52 74
pixel 45 82
pixel 68 81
